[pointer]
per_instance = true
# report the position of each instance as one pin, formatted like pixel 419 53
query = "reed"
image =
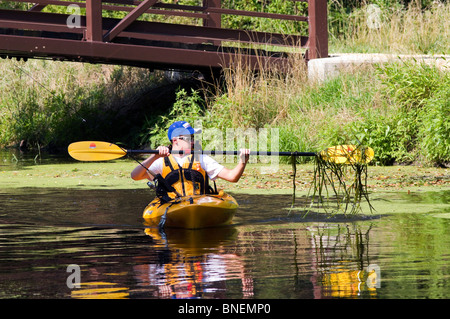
pixel 308 115
pixel 262 99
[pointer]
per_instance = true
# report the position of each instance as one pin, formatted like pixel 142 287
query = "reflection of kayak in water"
pixel 193 242
pixel 192 212
pixel 192 263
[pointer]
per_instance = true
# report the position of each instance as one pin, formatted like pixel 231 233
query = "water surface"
pixel 265 254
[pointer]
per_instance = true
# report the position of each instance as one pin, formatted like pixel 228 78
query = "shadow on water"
pixel 265 254
pixel 15 159
pixel 277 209
pixel 47 206
pixel 123 208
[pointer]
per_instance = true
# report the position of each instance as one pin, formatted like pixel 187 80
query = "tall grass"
pixel 254 100
pixel 45 102
pixel 389 27
pixel 309 115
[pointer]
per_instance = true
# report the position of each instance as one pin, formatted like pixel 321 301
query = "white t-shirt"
pixel 211 166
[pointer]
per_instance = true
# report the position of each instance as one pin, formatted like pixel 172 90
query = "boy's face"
pixel 183 142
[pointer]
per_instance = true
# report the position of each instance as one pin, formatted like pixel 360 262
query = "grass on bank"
pixel 48 103
pixel 116 175
pixel 390 26
pixel 399 109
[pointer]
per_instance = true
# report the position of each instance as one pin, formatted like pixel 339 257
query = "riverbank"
pixel 116 175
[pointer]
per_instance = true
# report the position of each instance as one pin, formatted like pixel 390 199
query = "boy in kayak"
pixel 187 173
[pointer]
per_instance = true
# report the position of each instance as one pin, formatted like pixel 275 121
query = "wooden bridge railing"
pixel 91 31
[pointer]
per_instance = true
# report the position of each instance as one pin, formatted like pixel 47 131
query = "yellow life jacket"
pixel 189 179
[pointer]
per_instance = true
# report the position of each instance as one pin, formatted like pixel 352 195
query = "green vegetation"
pixel 50 104
pixel 389 26
pixel 400 109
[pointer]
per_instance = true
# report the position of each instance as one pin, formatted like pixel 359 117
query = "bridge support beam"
pixel 214 19
pixel 318 30
pixel 94 28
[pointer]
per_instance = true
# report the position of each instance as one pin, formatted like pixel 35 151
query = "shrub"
pixel 187 107
pixel 434 131
pixel 410 83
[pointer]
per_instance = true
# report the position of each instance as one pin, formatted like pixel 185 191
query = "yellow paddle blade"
pixel 95 151
pixel 347 154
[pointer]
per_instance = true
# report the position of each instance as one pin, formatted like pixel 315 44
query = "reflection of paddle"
pixel 104 151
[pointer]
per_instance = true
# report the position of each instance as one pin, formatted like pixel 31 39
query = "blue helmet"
pixel 181 128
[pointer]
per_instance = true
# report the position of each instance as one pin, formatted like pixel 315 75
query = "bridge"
pixel 143 34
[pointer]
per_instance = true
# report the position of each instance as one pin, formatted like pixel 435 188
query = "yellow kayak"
pixel 192 212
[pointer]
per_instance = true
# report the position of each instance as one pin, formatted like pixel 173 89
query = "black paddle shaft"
pixel 261 153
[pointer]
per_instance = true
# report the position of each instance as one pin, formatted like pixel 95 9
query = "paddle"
pixel 104 151
pixel 325 171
